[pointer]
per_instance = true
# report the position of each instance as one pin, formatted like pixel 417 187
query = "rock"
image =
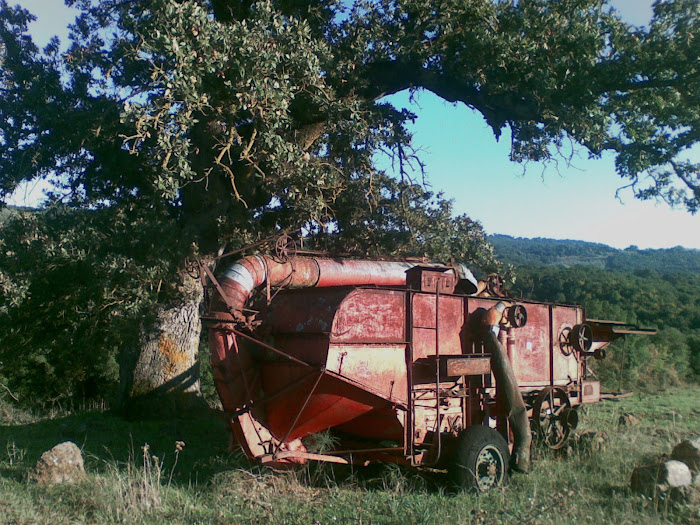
pixel 677 473
pixel 659 480
pixel 591 441
pixel 628 420
pixel 62 464
pixel 689 453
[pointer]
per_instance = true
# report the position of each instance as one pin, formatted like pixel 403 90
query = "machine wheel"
pixel 495 285
pixel 581 338
pixel 481 459
pixel 565 341
pixel 517 316
pixel 285 248
pixel 552 417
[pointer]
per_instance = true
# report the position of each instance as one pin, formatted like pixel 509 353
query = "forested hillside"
pixel 652 288
pixel 520 251
pixel 8 211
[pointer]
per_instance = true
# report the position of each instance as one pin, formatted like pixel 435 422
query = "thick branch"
pixel 389 77
pixel 681 174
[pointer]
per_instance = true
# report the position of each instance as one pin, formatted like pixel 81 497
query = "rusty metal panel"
pixel 380 368
pixel 303 311
pixel 310 405
pixel 530 356
pixel 451 323
pixel 565 358
pixel 467 366
pixel 432 281
pixel 590 391
pixel 369 315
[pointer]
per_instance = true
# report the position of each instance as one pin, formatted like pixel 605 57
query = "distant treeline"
pixel 651 288
pixel 539 251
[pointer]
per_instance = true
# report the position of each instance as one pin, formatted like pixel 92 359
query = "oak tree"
pixel 214 123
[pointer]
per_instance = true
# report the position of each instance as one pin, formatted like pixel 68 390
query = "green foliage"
pixel 75 287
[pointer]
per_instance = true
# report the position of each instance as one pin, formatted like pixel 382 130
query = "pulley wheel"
pixel 517 316
pixel 581 338
pixel 494 285
pixel 565 341
pixel 285 248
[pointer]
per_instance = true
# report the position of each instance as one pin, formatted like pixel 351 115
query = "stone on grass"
pixel 62 464
pixel 689 453
pixel 590 441
pixel 662 479
pixel 628 420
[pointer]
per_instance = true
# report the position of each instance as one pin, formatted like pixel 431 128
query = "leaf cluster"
pixel 75 289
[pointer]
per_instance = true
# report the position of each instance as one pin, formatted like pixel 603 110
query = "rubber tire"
pixel 471 443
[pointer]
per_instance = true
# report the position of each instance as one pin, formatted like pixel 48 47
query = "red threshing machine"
pixel 390 358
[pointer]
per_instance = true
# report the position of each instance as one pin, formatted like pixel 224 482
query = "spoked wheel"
pixel 552 417
pixel 285 248
pixel 481 459
pixel 495 285
pixel 581 338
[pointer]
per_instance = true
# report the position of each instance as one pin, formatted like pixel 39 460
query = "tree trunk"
pixel 160 378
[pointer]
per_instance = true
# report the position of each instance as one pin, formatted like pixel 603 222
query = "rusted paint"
pixel 352 346
pixel 467 367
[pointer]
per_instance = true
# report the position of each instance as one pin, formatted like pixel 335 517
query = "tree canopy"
pixel 227 112
pixel 176 127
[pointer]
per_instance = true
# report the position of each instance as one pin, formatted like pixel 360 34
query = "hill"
pixel 8 211
pixel 652 288
pixel 552 252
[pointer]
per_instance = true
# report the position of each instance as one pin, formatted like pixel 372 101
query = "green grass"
pixel 203 483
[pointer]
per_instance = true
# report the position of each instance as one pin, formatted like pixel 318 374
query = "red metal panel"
pixel 379 424
pixel 565 367
pixel 530 356
pixel 590 391
pixel 381 368
pixel 310 348
pixel 308 310
pixel 332 402
pixel 451 322
pixel 467 367
pixel 370 315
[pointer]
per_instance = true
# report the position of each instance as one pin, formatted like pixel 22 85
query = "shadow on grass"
pixel 106 438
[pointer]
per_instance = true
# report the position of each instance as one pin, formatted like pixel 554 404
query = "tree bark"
pixel 160 377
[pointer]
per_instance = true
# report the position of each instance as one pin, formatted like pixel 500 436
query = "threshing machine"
pixel 390 357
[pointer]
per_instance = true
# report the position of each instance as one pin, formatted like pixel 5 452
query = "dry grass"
pixel 202 483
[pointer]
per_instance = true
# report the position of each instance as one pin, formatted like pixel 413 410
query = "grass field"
pixel 135 475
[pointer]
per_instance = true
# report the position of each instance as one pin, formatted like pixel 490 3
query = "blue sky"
pixel 464 161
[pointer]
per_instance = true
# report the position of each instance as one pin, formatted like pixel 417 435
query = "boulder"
pixel 689 453
pixel 628 420
pixel 62 464
pixel 590 441
pixel 662 479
